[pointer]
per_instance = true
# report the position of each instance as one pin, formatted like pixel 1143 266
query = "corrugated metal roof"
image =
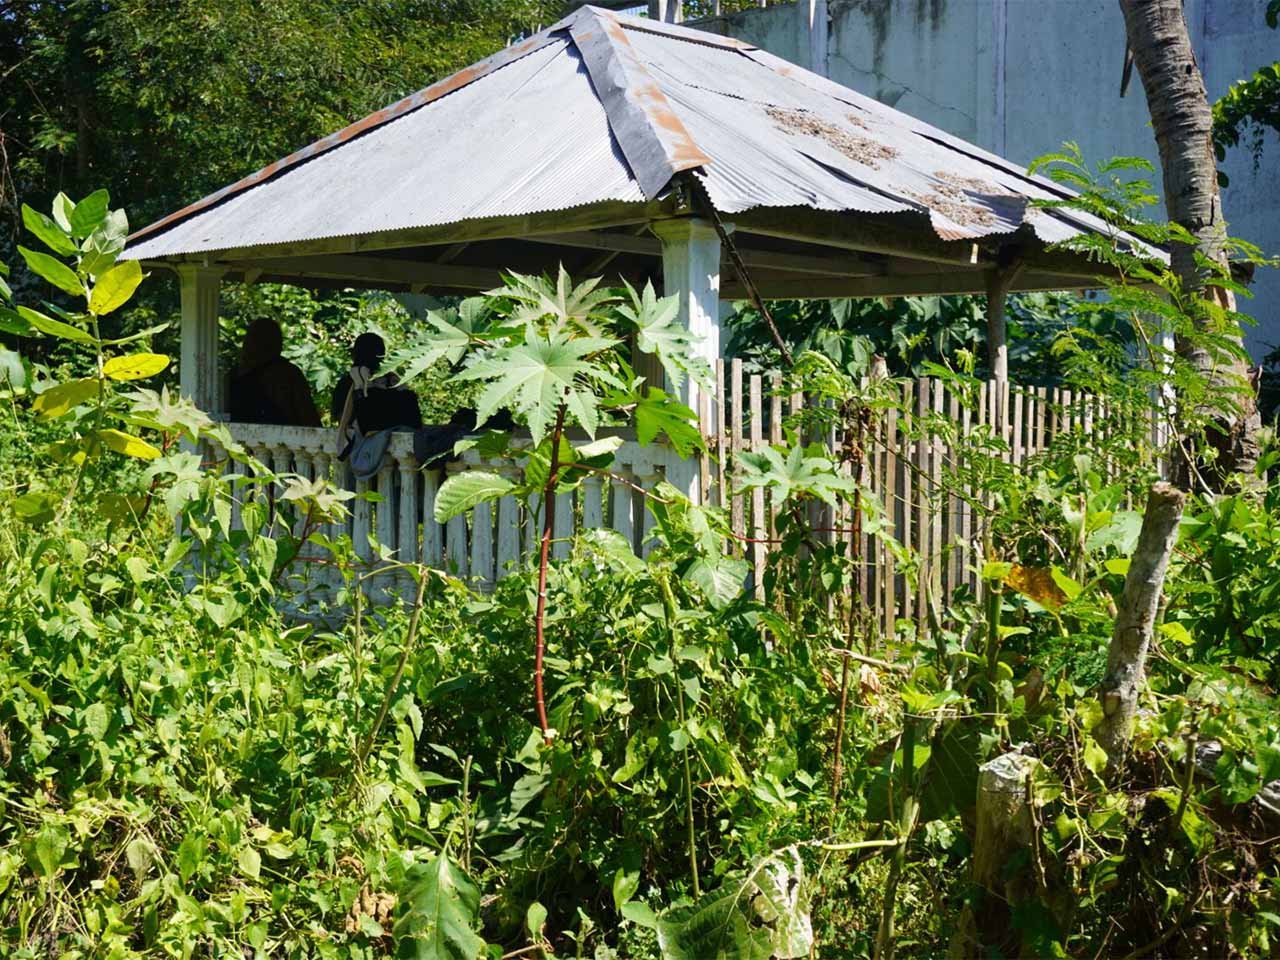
pixel 604 108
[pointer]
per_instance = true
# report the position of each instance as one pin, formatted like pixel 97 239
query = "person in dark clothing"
pixel 265 387
pixel 367 402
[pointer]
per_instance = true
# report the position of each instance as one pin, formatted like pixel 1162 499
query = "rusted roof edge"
pixel 373 121
pixel 674 32
pixel 652 137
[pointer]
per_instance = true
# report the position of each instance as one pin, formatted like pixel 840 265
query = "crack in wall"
pixel 900 88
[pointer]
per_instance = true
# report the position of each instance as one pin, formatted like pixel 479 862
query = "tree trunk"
pixel 1136 618
pixel 1183 124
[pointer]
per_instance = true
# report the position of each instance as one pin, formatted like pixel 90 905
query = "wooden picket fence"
pixel 907 467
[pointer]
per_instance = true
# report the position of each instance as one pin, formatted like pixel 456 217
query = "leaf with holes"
pixel 136 366
pixel 115 287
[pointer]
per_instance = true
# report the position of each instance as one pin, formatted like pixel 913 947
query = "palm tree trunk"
pixel 1183 124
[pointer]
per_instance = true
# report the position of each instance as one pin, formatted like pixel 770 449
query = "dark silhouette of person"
pixel 267 388
pixel 369 402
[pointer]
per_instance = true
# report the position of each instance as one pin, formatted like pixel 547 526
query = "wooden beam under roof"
pixel 831 266
pixel 789 287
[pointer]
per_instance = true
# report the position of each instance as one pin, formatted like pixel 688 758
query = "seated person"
pixel 367 402
pixel 265 387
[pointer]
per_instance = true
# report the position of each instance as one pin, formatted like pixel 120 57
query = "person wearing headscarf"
pixel 365 401
pixel 267 388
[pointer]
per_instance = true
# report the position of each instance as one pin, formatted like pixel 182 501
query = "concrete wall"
pixel 1021 76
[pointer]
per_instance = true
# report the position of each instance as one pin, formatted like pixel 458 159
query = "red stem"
pixel 540 616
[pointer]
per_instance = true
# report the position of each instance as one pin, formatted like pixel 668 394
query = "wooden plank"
pixel 924 487
pixel 1019 446
pixel 432 542
pixel 737 513
pixel 482 542
pixel 889 490
pixel 455 539
pixel 938 503
pixel 954 504
pixel 620 511
pixel 722 447
pixel 361 522
pixel 592 503
pixel 759 528
pixel 1042 417
pixel 907 503
pixel 508 552
pixel 966 506
pixel 563 529
pixel 706 425
pixel 775 437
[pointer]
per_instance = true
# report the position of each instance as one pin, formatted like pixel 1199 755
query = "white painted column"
pixel 691 271
pixel 668 11
pixel 813 34
pixel 200 379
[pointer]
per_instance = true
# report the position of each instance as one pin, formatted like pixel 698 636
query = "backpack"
pixel 366 451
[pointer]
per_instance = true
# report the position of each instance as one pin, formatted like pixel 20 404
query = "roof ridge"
pixel 406 105
pixel 654 140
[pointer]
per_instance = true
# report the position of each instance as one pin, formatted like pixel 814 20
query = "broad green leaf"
pixel 636 755
pixel 115 287
pixel 657 414
pixel 54 328
pixel 50 844
pixel 995 570
pixel 35 507
pixel 1095 758
pixel 764 915
pixel 625 885
pixel 1066 584
pixel 56 401
pixel 250 862
pixel 136 366
pixel 1038 584
pixel 47 232
pixel 63 207
pixel 140 855
pixel 437 912
pixel 53 270
pixel 12 322
pixel 96 720
pixel 720 579
pixel 640 913
pixel 89 213
pixel 128 444
pixel 535 918
pixel 462 491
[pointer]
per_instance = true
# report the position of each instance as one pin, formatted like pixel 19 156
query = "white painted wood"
pixel 508 554
pixel 199 379
pixel 691 271
pixel 361 522
pixel 563 529
pixel 432 543
pixel 621 517
pixel 407 550
pixel 385 509
pixel 482 543
pixel 813 33
pixel 592 503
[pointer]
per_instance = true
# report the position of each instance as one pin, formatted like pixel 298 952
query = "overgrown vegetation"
pixel 703 773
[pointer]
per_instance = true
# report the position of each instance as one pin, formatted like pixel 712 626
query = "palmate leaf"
pixel 657 414
pixel 659 332
pixel 803 472
pixel 537 299
pixel 532 379
pixel 438 906
pixel 452 332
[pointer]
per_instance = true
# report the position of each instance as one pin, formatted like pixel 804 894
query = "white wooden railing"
pixel 483 546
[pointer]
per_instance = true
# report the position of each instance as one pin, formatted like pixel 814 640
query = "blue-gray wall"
pixel 1020 76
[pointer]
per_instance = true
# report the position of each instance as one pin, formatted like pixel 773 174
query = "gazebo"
pixel 621 147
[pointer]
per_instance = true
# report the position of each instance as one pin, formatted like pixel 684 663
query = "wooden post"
pixel 198 372
pixel 691 271
pixel 668 11
pixel 999 281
